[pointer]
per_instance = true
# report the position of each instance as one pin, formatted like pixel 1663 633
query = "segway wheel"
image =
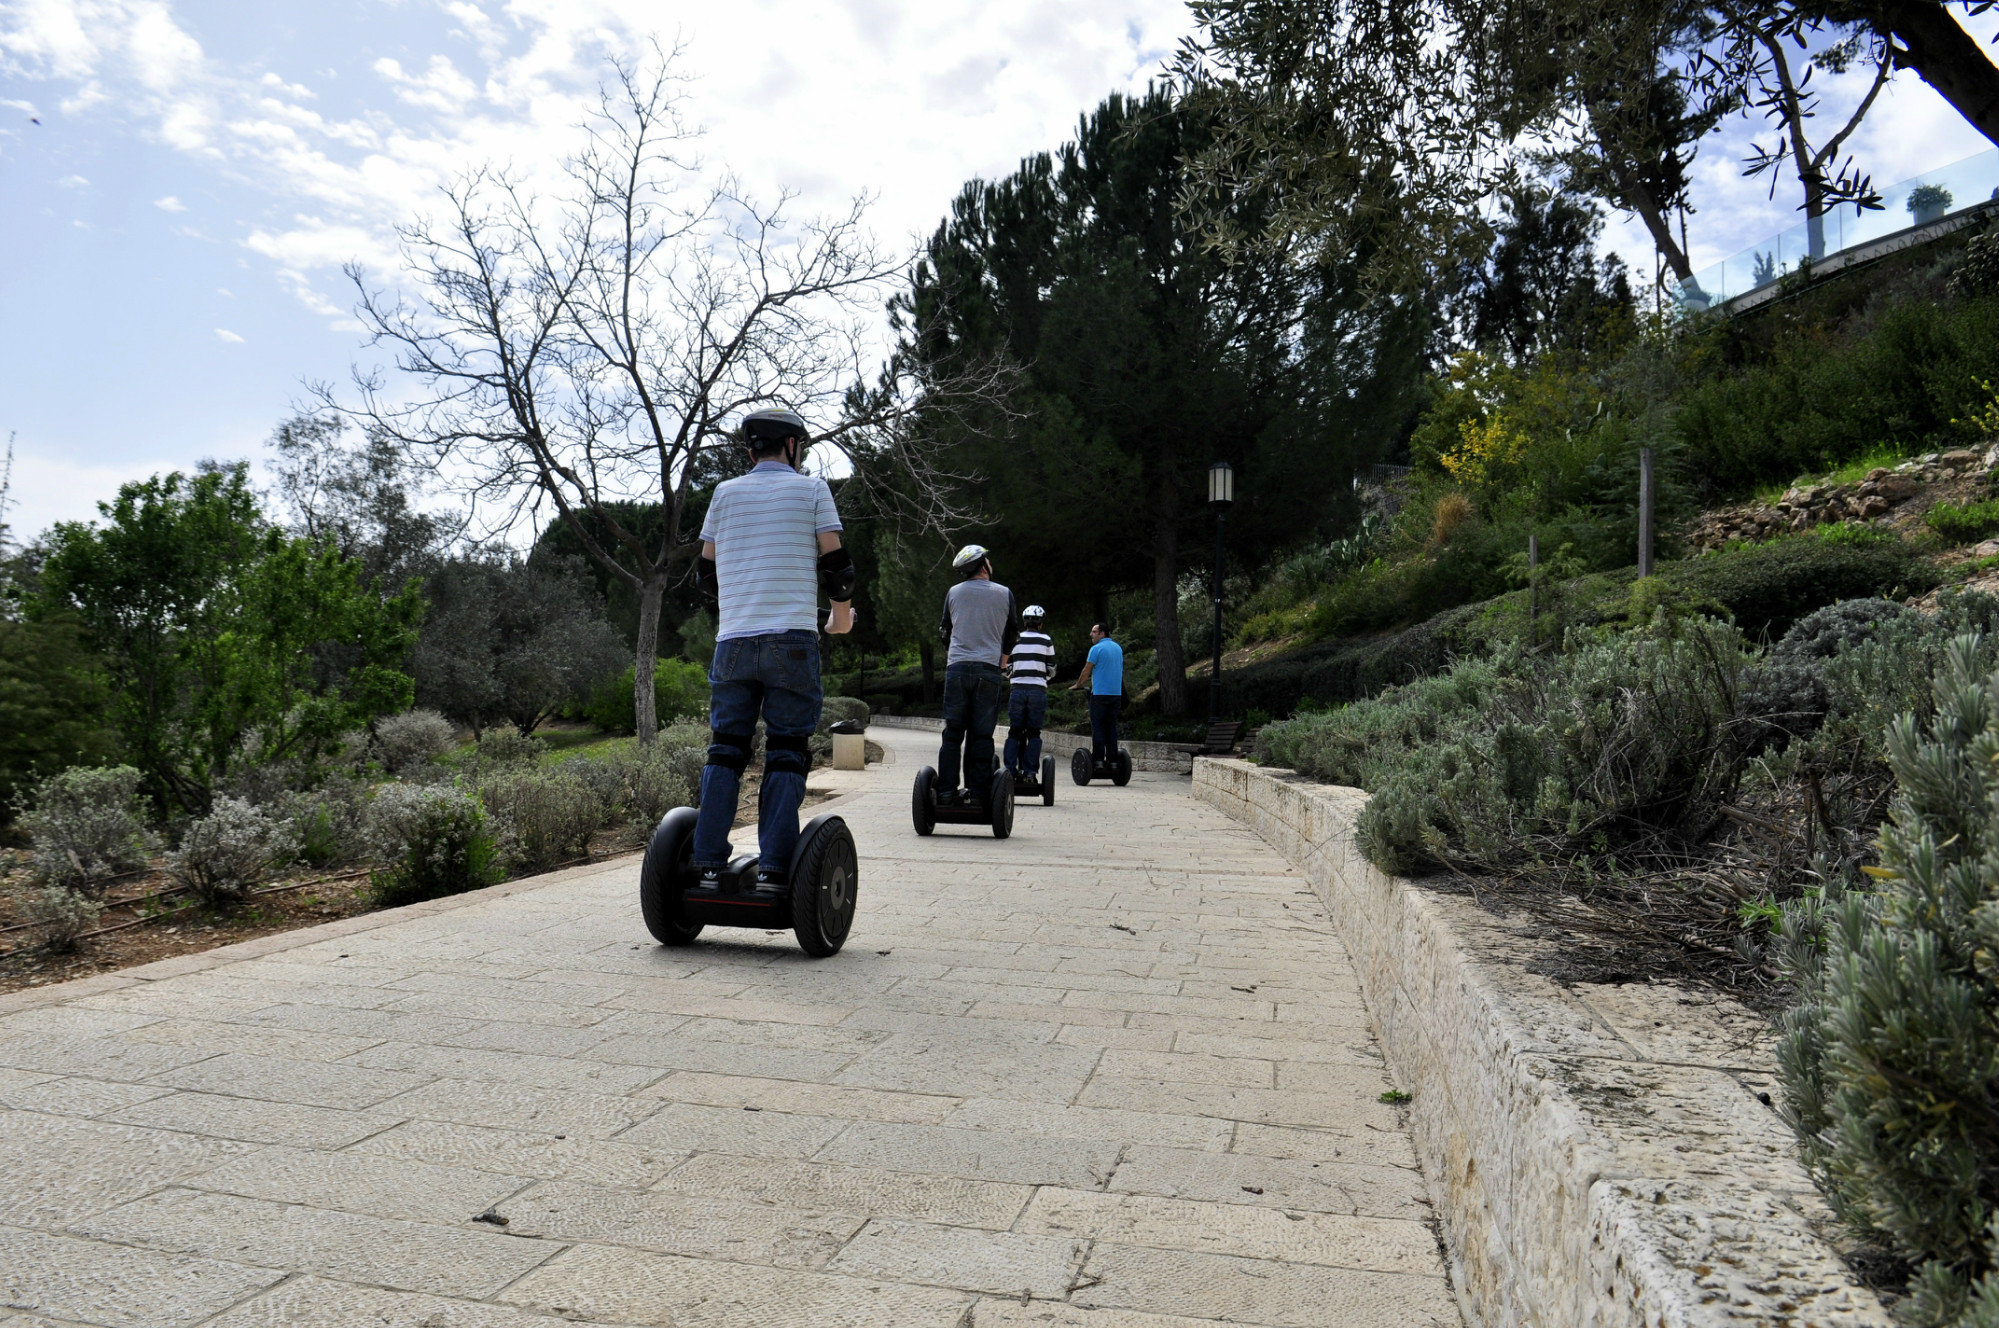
pixel 922 804
pixel 669 864
pixel 1002 804
pixel 824 882
pixel 1121 768
pixel 1079 765
pixel 1047 781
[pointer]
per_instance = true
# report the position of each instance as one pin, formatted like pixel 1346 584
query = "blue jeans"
pixel 1103 726
pixel 775 678
pixel 1026 708
pixel 971 708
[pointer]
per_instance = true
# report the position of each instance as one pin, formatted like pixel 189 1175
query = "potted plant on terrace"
pixel 1928 202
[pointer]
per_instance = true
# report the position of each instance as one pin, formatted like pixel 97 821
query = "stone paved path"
pixel 1111 1073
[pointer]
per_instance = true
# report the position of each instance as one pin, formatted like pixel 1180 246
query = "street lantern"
pixel 1221 492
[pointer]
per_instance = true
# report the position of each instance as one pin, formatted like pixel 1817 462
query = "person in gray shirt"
pixel 980 627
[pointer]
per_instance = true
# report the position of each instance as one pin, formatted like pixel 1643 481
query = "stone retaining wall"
pixel 1156 756
pixel 1599 1155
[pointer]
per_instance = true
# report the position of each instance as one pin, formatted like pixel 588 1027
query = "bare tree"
pixel 583 353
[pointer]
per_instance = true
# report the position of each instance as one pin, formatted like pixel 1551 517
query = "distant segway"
pixel 997 811
pixel 1043 787
pixel 817 904
pixel 1083 767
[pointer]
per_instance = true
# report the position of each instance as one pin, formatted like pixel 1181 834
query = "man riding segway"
pixel 980 627
pixel 1103 674
pixel 1027 707
pixel 770 544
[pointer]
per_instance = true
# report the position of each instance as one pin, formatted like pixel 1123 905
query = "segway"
pixel 997 811
pixel 817 904
pixel 1028 786
pixel 1083 767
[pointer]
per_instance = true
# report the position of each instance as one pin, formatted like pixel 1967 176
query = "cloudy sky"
pixel 181 180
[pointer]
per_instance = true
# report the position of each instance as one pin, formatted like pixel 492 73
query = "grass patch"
pixel 592 745
pixel 1884 456
pixel 1965 524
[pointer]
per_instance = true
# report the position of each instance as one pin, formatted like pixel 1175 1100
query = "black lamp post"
pixel 1221 492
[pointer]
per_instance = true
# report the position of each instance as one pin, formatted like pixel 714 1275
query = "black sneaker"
pixel 711 879
pixel 773 881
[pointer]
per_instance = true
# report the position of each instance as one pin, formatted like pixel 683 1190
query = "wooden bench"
pixel 1223 735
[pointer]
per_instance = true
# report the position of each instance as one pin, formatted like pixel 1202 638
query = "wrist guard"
pixel 838 575
pixel 704 577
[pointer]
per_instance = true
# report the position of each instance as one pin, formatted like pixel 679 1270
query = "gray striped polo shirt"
pixel 765 527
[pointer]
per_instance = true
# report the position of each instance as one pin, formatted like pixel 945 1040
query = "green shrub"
pixel 431 841
pixel 86 824
pixel 227 852
pixel 503 744
pixel 685 733
pixel 1627 739
pixel 639 785
pixel 837 708
pixel 329 822
pixel 1767 588
pixel 542 817
pixel 1890 1053
pixel 1790 395
pixel 1964 525
pixel 407 742
pixel 58 915
pixel 680 691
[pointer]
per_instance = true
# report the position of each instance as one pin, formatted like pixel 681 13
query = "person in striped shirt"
pixel 769 545
pixel 1027 704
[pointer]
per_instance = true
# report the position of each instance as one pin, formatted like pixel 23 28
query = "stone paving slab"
pixel 1113 1072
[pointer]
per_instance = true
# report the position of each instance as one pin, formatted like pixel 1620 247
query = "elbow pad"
pixel 704 577
pixel 837 575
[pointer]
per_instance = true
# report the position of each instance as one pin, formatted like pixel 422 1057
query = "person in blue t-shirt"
pixel 1103 674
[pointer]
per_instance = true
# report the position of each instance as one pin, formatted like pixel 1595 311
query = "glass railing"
pixel 1912 202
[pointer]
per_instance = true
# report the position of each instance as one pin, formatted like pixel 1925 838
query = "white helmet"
pixel 969 559
pixel 1034 611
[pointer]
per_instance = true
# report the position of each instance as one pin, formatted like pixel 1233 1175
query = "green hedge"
pixel 680 691
pixel 1763 588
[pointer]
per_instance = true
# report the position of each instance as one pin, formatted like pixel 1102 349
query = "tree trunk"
pixel 644 701
pixel 1638 198
pixel 927 652
pixel 1166 617
pixel 1929 40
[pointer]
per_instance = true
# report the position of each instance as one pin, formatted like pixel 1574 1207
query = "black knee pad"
pixel 782 753
pixel 730 760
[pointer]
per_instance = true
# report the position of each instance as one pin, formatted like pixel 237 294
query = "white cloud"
pixel 169 204
pixel 228 336
pixel 72 182
pixel 877 97
pixel 439 88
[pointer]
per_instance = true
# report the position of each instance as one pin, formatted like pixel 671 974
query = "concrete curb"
pixel 1159 757
pixel 28 998
pixel 1599 1155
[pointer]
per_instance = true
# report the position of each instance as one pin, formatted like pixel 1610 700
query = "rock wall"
pixel 1601 1156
